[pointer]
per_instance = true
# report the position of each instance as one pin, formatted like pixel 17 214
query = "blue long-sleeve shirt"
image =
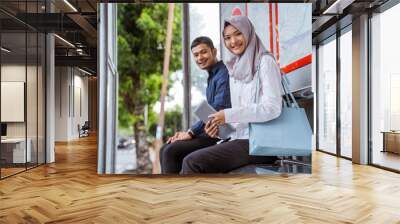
pixel 217 92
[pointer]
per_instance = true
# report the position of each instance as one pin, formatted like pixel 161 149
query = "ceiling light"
pixel 5 50
pixel 70 5
pixel 84 71
pixel 337 7
pixel 65 41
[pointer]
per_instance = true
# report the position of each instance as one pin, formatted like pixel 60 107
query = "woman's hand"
pixel 218 118
pixel 211 129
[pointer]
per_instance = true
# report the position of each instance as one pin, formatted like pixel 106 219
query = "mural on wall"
pixel 285 30
pixel 196 151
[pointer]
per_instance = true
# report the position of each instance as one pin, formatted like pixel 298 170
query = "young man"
pixel 218 96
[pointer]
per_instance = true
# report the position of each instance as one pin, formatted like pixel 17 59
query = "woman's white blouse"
pixel 244 109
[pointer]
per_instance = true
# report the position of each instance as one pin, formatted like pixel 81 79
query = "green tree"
pixel 173 123
pixel 141 38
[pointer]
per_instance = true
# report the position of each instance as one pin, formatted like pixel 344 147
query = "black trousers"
pixel 202 155
pixel 172 155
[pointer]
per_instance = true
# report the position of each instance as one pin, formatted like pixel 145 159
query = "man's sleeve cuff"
pixel 191 133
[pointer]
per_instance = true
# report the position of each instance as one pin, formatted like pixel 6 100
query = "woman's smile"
pixel 234 40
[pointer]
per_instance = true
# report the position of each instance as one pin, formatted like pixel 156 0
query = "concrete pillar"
pixel 50 99
pixel 360 90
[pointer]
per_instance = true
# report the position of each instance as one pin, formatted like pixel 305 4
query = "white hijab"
pixel 244 67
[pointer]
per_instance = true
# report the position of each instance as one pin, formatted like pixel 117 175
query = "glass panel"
pixel 41 98
pixel 32 85
pixel 41 63
pixel 31 98
pixel 346 94
pixel 327 97
pixel 13 87
pixel 200 15
pixel 22 79
pixel 385 89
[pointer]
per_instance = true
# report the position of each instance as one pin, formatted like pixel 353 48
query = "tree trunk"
pixel 144 165
pixel 143 162
pixel 164 88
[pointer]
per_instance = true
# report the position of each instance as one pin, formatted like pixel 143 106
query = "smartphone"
pixel 210 119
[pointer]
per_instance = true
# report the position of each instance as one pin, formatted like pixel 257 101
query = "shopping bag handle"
pixel 287 91
pixel 288 94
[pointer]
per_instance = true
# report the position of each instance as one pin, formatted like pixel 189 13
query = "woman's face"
pixel 234 40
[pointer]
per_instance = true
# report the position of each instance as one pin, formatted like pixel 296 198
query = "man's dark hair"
pixel 202 40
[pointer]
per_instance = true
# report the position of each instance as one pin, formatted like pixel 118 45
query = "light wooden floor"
pixel 10 171
pixel 70 191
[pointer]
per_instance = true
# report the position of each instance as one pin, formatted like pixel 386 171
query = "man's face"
pixel 204 56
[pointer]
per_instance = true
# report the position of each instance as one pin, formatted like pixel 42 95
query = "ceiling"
pixel 332 15
pixel 74 22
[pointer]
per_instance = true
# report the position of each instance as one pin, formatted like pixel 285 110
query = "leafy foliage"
pixel 142 32
pixel 173 123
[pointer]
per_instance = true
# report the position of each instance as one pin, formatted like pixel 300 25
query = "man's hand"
pixel 211 129
pixel 218 118
pixel 179 136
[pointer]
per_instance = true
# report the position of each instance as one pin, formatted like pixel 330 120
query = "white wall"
pixel 33 125
pixel 80 112
pixel 71 94
pixel 16 73
pixel 62 81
